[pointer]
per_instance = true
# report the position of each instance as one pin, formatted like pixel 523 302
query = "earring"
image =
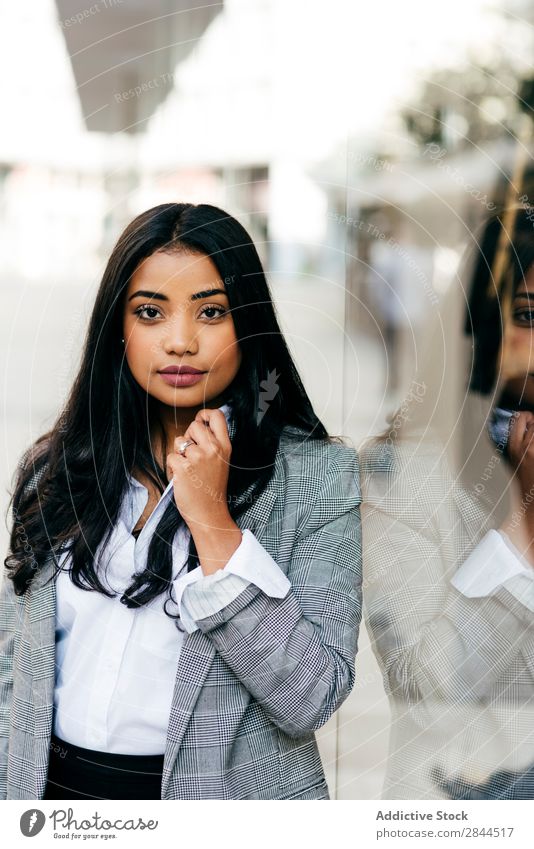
pixel 122 340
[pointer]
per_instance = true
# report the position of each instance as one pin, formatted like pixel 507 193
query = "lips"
pixel 180 370
pixel 183 378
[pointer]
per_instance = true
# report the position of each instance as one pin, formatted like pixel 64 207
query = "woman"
pixel 182 601
pixel 448 520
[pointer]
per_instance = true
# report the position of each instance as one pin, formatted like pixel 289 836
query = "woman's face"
pixel 517 350
pixel 174 317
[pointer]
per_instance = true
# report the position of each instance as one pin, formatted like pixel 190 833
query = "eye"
pixel 211 308
pixel 145 308
pixel 525 316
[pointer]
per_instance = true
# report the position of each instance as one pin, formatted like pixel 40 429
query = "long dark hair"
pixel 487 299
pixel 71 482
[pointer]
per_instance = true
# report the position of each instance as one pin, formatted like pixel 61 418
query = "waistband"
pixel 135 763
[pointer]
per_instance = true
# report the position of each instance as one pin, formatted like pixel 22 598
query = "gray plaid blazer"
pixel 459 671
pixel 255 680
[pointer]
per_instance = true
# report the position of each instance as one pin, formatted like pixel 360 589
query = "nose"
pixel 180 336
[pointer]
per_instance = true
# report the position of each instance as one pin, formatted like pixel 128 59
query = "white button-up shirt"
pixel 494 563
pixel 116 666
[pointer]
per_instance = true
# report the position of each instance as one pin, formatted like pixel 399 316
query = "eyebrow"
pixel 158 296
pixel 529 296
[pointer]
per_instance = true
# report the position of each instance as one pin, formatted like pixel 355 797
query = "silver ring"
pixel 184 445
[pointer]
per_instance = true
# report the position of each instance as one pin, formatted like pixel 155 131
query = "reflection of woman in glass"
pixel 211 528
pixel 449 581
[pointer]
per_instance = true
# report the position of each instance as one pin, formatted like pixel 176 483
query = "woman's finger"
pixel 203 435
pixel 217 423
pixel 515 437
pixel 520 434
pixel 528 433
pixel 177 460
pixel 527 420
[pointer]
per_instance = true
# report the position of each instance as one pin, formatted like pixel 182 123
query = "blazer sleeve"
pixel 296 654
pixel 199 595
pixel 11 614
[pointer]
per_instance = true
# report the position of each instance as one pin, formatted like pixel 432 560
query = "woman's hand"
pixel 200 488
pixel 519 525
pixel 201 475
pixel 521 449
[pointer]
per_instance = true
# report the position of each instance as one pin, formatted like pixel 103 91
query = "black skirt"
pixel 78 773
